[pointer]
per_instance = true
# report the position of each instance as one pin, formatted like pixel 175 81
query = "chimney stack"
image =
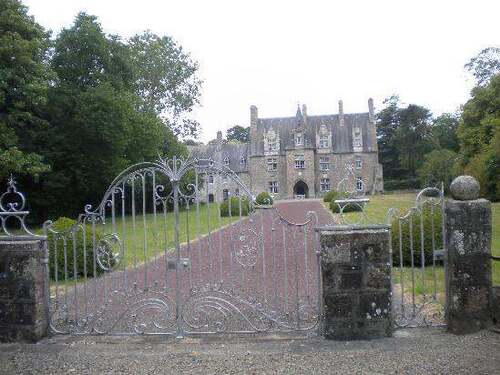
pixel 371 111
pixel 219 136
pixel 341 113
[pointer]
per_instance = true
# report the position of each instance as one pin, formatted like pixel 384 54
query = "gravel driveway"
pixel 412 351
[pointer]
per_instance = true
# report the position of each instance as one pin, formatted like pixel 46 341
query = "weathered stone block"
pixel 468 276
pixel 23 302
pixel 495 305
pixel 356 282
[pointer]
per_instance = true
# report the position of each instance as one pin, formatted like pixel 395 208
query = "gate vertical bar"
pixel 175 188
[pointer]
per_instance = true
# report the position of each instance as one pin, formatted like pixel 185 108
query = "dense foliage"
pixel 330 196
pixel 24 77
pixel 67 245
pixel 235 206
pixel 78 109
pixel 411 240
pixel 479 134
pixel 264 198
pixel 238 133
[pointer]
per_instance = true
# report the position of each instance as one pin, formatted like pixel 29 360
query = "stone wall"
pixel 356 272
pixel 495 305
pixel 23 306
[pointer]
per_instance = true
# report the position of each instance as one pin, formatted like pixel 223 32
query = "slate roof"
pixel 234 151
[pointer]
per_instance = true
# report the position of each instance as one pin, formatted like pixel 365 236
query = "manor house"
pixel 298 157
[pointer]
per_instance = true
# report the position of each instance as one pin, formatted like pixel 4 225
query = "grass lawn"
pixel 376 211
pixel 145 237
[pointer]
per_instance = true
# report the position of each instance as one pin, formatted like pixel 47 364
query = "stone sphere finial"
pixel 465 188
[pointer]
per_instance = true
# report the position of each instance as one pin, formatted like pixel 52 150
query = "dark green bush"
pixel 427 218
pixel 235 207
pixel 404 184
pixel 264 199
pixel 64 240
pixel 331 196
pixel 334 207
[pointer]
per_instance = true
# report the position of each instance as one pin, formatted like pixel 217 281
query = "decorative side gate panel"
pixel 418 259
pixel 157 257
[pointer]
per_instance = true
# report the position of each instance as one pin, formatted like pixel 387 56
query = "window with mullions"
pixel 273 187
pixel 324 184
pixel 324 163
pixel 299 162
pixel 359 184
pixel 272 164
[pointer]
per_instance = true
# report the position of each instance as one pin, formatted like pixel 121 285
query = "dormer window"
pixel 271 141
pixel 226 160
pixel 243 160
pixel 298 139
pixel 357 140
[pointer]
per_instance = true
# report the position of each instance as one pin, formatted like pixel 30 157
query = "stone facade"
pixel 23 302
pixel 299 156
pixel 356 271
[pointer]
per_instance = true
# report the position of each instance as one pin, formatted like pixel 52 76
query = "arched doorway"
pixel 300 190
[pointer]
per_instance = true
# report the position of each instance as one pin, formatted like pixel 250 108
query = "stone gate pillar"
pixel 356 271
pixel 468 267
pixel 23 302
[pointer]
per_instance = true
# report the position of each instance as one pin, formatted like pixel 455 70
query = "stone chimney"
pixel 219 136
pixel 371 110
pixel 341 113
pixel 254 135
pixel 304 113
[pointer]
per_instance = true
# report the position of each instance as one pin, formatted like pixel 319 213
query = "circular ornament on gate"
pixel 247 248
pixel 109 251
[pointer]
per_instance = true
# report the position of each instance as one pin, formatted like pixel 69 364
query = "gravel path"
pixel 259 274
pixel 413 351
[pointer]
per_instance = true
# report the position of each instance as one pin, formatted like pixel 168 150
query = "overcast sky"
pixel 276 53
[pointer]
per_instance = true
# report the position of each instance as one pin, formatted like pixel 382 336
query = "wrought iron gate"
pixel 158 257
pixel 419 260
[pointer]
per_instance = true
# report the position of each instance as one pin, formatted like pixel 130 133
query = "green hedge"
pixel 264 199
pixel 404 184
pixel 331 196
pixel 428 218
pixel 235 207
pixel 64 224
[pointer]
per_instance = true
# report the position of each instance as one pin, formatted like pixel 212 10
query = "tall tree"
pixel 166 79
pixel 387 124
pixel 479 135
pixel 412 137
pixel 444 131
pixel 24 77
pixel 485 65
pixel 238 133
pixel 85 57
pixel 97 127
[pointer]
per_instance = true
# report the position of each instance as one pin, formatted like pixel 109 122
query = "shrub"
pixel 416 216
pixel 330 196
pixel 63 226
pixel 404 184
pixel 264 199
pixel 334 207
pixel 235 207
